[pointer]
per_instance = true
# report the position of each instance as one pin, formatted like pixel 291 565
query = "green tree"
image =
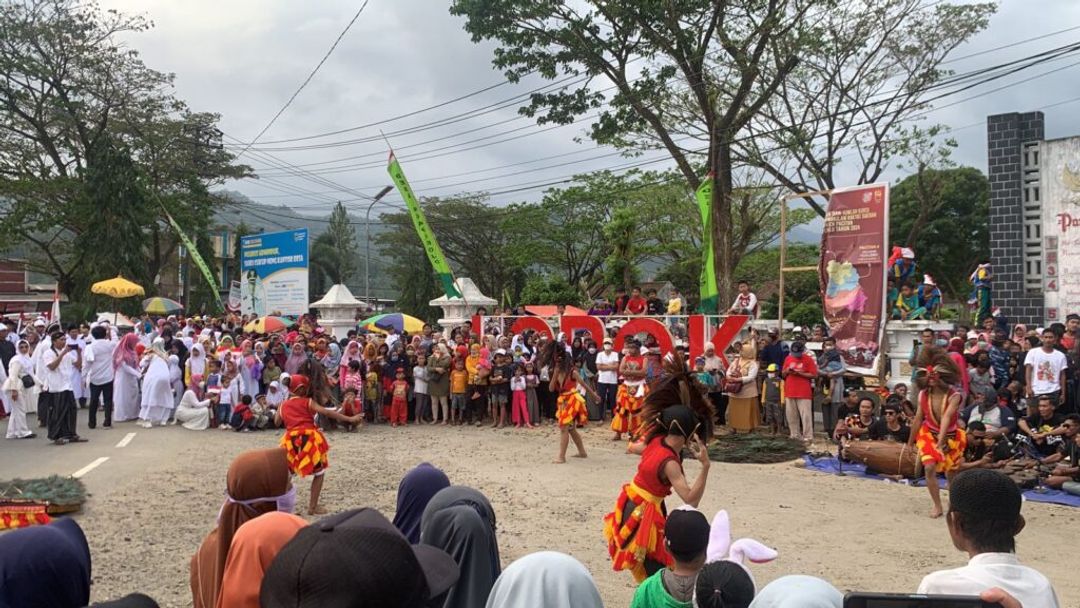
pixel 335 254
pixel 541 289
pixel 709 66
pixel 802 290
pixel 951 240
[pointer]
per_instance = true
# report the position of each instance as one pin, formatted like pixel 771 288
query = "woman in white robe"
pixel 126 401
pixel 195 369
pixel 157 392
pixel 18 398
pixel 192 413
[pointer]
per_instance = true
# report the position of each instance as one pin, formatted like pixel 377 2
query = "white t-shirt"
pixel 1046 370
pixel 988 570
pixel 420 380
pixel 57 380
pixel 745 302
pixel 606 358
pixel 99 357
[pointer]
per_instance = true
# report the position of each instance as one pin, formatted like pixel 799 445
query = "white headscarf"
pixel 547 579
pixel 197 360
pixel 25 362
pixel 277 398
pixel 798 591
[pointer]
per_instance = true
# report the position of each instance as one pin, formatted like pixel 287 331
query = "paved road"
pixel 109 455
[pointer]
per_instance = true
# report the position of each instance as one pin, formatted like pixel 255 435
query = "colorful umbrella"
pixel 161 306
pixel 400 322
pixel 117 288
pixel 269 325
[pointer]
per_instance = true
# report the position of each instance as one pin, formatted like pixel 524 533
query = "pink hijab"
pixel 125 352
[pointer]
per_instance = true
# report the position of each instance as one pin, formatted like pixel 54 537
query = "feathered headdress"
pixel 935 366
pixel 678 386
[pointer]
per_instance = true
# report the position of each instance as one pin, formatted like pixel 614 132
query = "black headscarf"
pixel 45 566
pixel 415 492
pixel 460 521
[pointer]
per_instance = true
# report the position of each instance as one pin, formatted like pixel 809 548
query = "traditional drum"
pixel 886 457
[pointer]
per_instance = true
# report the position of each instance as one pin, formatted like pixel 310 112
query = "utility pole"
pixel 367 244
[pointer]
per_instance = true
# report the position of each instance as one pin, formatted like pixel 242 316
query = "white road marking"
pixel 126 440
pixel 89 467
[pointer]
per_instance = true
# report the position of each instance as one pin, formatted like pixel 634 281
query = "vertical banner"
pixel 854 249
pixel 710 297
pixel 235 298
pixel 1059 179
pixel 423 230
pixel 274 273
pixel 193 253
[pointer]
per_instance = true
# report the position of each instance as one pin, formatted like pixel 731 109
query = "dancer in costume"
pixel 571 410
pixel 940 441
pixel 304 443
pixel 981 287
pixel 631 393
pixel 677 414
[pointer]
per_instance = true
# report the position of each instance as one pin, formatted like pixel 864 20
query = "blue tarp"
pixel 832 466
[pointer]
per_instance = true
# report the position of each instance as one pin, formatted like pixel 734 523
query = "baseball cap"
pixel 771 368
pixel 39 322
pixel 687 531
pixel 798 347
pixel 348 558
pixel 608 341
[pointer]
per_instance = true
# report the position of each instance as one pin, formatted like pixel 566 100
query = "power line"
pixel 306 80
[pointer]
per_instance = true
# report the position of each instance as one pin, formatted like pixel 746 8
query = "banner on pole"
pixel 852 273
pixel 423 230
pixel 193 253
pixel 274 273
pixel 709 295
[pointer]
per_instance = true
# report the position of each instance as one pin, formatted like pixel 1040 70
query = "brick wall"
pixel 1006 133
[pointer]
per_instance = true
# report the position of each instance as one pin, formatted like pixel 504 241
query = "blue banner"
pixel 274 273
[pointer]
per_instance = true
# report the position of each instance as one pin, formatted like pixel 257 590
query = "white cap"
pixel 501 351
pixel 928 280
pixel 39 322
pixel 907 253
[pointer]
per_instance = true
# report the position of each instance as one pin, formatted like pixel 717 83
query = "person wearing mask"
pixel 799 371
pixel 100 374
pixel 984 519
pixel 607 379
pixel 58 363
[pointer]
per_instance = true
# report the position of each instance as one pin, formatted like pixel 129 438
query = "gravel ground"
pixel 855 533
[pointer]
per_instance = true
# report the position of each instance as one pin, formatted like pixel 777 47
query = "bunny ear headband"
pixel 721 547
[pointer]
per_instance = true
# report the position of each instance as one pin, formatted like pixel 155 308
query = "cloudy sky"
pixel 244 58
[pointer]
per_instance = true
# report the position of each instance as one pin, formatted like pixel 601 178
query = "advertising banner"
pixel 854 250
pixel 274 273
pixel 1059 180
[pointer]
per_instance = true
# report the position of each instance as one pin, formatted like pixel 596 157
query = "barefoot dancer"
pixel 678 415
pixel 571 405
pixel 940 441
pixel 304 443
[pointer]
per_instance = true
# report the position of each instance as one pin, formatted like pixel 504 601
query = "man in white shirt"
pixel 1044 369
pixel 57 364
pixel 984 519
pixel 607 377
pixel 100 374
pixel 745 303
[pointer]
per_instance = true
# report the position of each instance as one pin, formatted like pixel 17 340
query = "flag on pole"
pixel 54 312
pixel 709 296
pixel 423 230
pixel 193 252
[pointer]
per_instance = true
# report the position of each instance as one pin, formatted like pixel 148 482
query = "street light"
pixel 367 243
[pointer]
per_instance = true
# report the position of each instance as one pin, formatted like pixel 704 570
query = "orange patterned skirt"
pixel 947 460
pixel 571 410
pixel 306 451
pixel 627 416
pixel 634 534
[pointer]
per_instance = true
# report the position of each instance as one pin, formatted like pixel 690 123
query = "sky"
pixel 245 58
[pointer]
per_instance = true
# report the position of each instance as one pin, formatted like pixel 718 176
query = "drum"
pixel 887 457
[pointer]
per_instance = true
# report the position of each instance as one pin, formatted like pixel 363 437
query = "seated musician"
pixel 890 427
pixel 1067 457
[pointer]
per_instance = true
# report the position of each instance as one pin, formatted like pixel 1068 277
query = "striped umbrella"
pixel 400 322
pixel 161 306
pixel 269 325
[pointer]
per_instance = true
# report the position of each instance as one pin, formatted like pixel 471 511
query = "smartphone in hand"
pixel 913 600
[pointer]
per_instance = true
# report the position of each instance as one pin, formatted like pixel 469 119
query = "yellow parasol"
pixel 117 288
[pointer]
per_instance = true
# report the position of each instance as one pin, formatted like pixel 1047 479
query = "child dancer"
pixel 570 410
pixel 676 415
pixel 399 403
pixel 940 441
pixel 517 391
pixel 304 443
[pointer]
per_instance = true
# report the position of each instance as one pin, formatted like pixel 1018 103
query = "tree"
pixel 709 66
pixel 335 253
pixel 872 68
pixel 66 81
pixel 952 240
pixel 549 290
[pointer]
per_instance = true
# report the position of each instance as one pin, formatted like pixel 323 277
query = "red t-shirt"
pixel 797 387
pixel 296 414
pixel 636 306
